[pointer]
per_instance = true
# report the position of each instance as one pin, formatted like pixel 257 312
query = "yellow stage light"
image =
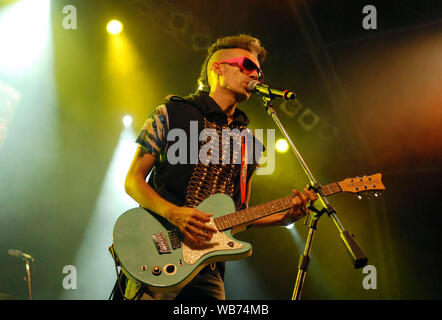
pixel 282 145
pixel 114 27
pixel 127 121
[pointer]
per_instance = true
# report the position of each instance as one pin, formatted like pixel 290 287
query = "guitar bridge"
pixel 161 243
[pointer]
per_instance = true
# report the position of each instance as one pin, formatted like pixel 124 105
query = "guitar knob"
pixel 156 270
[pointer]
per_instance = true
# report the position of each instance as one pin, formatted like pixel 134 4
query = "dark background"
pixel 368 101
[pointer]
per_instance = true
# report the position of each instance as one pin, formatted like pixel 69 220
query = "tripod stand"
pixel 356 253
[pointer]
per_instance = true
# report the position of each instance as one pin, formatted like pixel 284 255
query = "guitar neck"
pixel 262 210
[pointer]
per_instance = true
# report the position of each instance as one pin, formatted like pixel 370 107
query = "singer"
pixel 174 190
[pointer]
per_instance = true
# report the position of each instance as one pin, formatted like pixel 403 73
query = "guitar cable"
pixel 135 297
pixel 117 283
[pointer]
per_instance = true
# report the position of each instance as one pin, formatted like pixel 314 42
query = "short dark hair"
pixel 241 41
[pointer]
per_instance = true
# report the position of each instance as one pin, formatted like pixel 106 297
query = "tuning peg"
pixel 376 194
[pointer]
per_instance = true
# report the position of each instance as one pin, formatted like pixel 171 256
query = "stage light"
pixel 114 27
pixel 127 121
pixel 290 226
pixel 24 34
pixel 282 145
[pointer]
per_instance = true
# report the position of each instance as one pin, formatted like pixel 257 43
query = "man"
pixel 175 189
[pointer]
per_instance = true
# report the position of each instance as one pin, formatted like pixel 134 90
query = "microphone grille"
pixel 252 84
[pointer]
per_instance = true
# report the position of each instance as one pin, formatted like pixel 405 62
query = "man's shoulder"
pixel 178 105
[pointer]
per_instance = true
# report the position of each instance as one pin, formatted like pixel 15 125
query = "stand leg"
pixel 304 261
pixel 28 278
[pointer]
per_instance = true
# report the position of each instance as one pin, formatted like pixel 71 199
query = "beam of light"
pixel 282 146
pixel 130 83
pixel 114 27
pixel 295 233
pixel 126 77
pixel 95 266
pixel 9 99
pixel 24 33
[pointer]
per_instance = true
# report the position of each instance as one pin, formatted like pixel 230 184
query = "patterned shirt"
pixel 153 136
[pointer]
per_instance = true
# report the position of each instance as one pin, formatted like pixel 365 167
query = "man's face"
pixel 231 77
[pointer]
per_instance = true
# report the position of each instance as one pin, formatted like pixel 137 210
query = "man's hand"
pixel 299 209
pixel 192 223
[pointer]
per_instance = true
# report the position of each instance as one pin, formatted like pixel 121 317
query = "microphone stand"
pixel 356 253
pixel 28 277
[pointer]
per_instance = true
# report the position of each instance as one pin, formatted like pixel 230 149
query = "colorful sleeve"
pixel 153 136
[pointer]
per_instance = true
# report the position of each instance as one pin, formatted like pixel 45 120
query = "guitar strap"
pixel 243 178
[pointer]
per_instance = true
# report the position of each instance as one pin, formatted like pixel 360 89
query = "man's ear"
pixel 216 68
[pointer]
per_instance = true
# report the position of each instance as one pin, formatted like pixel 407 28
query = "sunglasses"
pixel 246 65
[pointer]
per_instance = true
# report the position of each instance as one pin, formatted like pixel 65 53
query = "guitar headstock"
pixel 363 186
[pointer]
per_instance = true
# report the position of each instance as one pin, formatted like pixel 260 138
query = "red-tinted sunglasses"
pixel 246 65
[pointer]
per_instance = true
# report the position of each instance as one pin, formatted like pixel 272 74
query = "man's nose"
pixel 254 75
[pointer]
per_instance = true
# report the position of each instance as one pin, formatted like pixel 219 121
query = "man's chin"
pixel 242 96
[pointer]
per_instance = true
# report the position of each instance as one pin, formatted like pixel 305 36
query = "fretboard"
pixel 262 210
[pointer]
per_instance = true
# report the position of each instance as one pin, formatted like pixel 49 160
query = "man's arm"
pixel 136 186
pixel 190 221
pixel 297 212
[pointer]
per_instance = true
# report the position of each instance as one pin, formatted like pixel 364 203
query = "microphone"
pixel 18 253
pixel 264 90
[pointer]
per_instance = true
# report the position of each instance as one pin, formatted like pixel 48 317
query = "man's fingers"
pixel 190 237
pixel 312 196
pixel 296 201
pixel 198 232
pixel 202 225
pixel 303 196
pixel 203 216
pixel 200 219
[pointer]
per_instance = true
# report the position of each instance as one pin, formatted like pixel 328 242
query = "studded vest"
pixel 187 183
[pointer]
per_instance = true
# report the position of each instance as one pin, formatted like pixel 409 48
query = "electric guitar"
pixel 152 251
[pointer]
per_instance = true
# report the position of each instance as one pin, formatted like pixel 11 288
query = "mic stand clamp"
pixel 356 253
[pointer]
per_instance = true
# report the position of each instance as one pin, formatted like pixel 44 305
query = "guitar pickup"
pixel 174 239
pixel 161 243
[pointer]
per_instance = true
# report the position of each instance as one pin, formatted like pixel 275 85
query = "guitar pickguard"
pixel 220 241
